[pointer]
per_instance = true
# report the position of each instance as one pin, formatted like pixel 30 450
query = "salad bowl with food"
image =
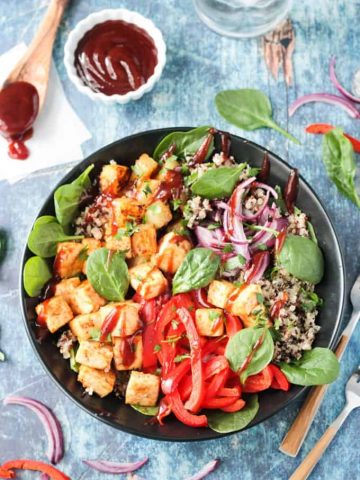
pixel 183 284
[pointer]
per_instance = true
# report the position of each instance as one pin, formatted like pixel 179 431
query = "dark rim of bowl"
pixel 110 422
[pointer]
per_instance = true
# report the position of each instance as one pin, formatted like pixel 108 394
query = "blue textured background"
pixel 199 64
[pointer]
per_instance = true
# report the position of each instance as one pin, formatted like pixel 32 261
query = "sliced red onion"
pixel 113 467
pixel 213 239
pixel 266 187
pixel 50 422
pixel 268 238
pixel 208 468
pixel 200 298
pixel 337 84
pixel 326 98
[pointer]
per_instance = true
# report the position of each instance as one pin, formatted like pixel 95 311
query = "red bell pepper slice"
pixel 164 409
pixel 25 464
pixel 279 382
pixel 218 402
pixel 320 128
pixel 170 382
pixel 182 414
pixel 217 382
pixel 215 365
pixel 148 314
pixel 185 387
pixel 230 391
pixel 232 324
pixel 198 392
pixel 259 382
pixel 235 407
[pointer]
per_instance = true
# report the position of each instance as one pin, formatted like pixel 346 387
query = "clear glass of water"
pixel 242 18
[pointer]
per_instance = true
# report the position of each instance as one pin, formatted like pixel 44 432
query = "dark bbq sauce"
pixel 115 57
pixel 19 107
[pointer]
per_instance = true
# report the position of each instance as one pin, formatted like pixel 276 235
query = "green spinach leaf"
pixel 75 367
pixel 244 345
pixel 197 270
pixel 67 198
pixel 249 109
pixel 45 219
pixel 218 182
pixel 45 236
pixel 338 157
pixel 108 274
pixel 36 274
pixel 318 366
pixel 187 143
pixel 223 422
pixel 302 258
pixel 150 411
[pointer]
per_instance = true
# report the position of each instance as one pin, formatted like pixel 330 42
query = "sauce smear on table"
pixel 115 57
pixel 19 107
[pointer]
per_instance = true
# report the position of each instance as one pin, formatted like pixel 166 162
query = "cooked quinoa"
pixel 92 220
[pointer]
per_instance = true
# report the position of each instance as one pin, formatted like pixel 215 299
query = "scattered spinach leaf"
pixel 36 273
pixel 197 270
pixel 217 182
pixel 150 411
pixel 73 363
pixel 223 422
pixel 249 109
pixel 45 219
pixel 312 233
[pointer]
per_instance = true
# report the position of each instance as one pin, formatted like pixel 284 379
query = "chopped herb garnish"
pixel 83 254
pixel 261 246
pixel 128 231
pixel 157 348
pixel 238 284
pixel 213 226
pixel 73 363
pixel 180 358
pixel 95 334
pixel 228 248
pixel 213 315
pixel 185 170
pixel 260 298
pixel 147 189
pixel 176 204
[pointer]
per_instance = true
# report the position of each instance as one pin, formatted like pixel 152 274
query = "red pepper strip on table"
pixel 25 464
pixel 180 412
pixel 322 128
pixel 259 382
pixel 279 382
pixel 232 324
pixel 235 407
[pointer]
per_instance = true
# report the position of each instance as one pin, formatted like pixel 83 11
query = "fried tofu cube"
pixel 138 260
pixel 113 178
pixel 97 381
pixel 173 249
pixel 69 259
pixel 209 322
pixel 121 359
pixel 219 292
pixel 85 299
pixel 124 210
pixel 66 287
pixel 245 302
pixel 143 389
pixel 122 244
pixel 94 354
pixel 144 167
pixel 143 241
pixel 81 325
pixel 158 214
pixel 90 245
pixel 127 318
pixel 54 312
pixel 147 190
pixel 148 281
pixel 170 164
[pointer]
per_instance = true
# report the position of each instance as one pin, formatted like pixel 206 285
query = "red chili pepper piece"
pixel 200 155
pixel 232 324
pixel 264 173
pixel 280 240
pixel 319 128
pixel 25 464
pixel 291 190
pixel 184 415
pixel 235 407
pixel 259 382
pixel 279 382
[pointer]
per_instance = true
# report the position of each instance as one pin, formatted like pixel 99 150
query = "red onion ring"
pixel 326 98
pixel 208 468
pixel 200 298
pixel 337 84
pixel 113 467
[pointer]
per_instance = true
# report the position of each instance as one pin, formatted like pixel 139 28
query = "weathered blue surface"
pixel 200 63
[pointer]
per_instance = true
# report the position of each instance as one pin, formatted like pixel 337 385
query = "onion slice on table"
pixel 114 467
pixel 49 421
pixel 338 85
pixel 326 98
pixel 208 468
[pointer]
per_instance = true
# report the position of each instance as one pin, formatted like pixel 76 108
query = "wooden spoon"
pixel 34 67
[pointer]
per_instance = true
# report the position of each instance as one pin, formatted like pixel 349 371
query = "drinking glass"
pixel 242 18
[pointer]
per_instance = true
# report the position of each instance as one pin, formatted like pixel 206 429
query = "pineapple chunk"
pixel 147 190
pixel 158 214
pixel 85 299
pixel 81 325
pixel 122 244
pixel 143 389
pixel 148 281
pixel 219 292
pixel 143 241
pixel 66 287
pixel 97 381
pixel 137 347
pixel 173 249
pixel 127 321
pixel 54 312
pixel 144 167
pixel 69 260
pixel 94 355
pixel 244 302
pixel 209 322
pixel 113 178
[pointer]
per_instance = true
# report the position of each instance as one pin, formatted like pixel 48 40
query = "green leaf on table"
pixel 223 422
pixel 218 182
pixel 36 274
pixel 249 109
pixel 338 157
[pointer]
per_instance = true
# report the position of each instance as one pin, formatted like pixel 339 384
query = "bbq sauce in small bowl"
pixel 115 57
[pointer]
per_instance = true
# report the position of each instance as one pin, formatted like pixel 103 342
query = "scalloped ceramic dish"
pixel 110 409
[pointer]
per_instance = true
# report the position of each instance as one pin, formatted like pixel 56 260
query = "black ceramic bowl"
pixel 110 410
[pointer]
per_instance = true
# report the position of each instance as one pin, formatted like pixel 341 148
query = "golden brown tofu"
pixel 66 287
pixel 143 242
pixel 173 249
pixel 170 164
pixel 158 214
pixel 138 260
pixel 113 178
pixel 90 245
pixel 219 292
pixel 127 317
pixel 54 313
pixel 128 353
pixel 146 190
pixel 97 381
pixel 122 244
pixel 94 354
pixel 142 389
pixel 209 322
pixel 244 302
pixel 81 325
pixel 69 259
pixel 148 281
pixel 85 299
pixel 124 210
pixel 144 167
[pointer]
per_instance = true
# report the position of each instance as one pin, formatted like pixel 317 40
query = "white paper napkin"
pixel 58 131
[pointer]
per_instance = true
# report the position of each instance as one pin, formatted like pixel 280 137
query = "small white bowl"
pixel 100 17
